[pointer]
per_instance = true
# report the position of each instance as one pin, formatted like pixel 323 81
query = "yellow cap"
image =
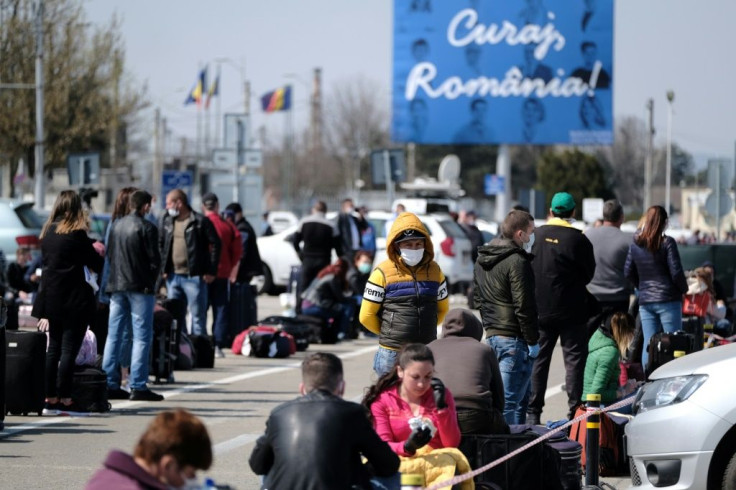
pixel 679 353
pixel 412 479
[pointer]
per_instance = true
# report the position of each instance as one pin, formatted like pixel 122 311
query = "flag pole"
pixel 218 113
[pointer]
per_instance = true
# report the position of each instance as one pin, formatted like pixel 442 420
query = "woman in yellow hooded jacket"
pixel 406 296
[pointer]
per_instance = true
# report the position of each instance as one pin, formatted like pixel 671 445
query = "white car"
pixel 452 248
pixel 683 435
pixel 278 256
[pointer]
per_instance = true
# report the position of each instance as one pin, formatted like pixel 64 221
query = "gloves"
pixel 438 390
pixel 418 438
pixel 534 351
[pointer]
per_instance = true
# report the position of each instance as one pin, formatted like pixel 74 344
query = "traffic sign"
pixel 592 209
pixel 494 184
pixel 176 179
pixel 83 168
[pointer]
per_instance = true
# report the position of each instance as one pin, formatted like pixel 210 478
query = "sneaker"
pixel 51 408
pixel 218 353
pixel 117 394
pixel 72 408
pixel 145 395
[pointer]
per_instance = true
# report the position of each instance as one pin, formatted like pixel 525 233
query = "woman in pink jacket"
pixel 408 402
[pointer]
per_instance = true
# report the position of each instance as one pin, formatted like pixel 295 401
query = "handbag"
pixel 696 304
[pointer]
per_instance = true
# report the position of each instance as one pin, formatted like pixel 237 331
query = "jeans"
pixel 384 360
pixel 194 291
pixel 516 372
pixel 342 314
pixel 658 317
pixel 218 294
pixel 137 310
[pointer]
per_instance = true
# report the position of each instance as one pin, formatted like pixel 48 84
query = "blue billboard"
pixel 503 71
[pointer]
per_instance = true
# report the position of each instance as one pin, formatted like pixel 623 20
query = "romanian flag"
pixel 213 90
pixel 278 100
pixel 195 95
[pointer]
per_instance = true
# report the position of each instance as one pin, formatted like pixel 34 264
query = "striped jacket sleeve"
pixel 373 295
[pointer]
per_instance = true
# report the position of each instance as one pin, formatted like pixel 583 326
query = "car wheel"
pixel 729 476
pixel 267 285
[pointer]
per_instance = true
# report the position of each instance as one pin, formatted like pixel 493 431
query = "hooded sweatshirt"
pixel 405 304
pixel 504 291
pixel 466 365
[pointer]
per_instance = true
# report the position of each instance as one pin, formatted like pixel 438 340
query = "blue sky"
pixel 683 45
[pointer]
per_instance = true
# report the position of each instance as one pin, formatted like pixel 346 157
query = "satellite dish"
pixel 449 169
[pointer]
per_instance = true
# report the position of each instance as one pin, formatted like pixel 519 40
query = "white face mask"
pixel 528 245
pixel 411 257
pixel 173 212
pixel 189 484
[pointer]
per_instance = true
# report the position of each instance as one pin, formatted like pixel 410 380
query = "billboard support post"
pixel 503 169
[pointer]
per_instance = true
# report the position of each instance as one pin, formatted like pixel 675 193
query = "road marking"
pixel 234 443
pixel 15 429
pixel 553 391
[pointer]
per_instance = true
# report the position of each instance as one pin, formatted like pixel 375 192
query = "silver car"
pixel 683 434
pixel 19 226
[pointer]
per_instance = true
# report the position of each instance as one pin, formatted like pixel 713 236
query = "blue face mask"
pixel 364 267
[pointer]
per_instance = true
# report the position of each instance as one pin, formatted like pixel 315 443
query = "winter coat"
pixel 231 246
pixel 121 472
pixel 602 368
pixel 250 261
pixel 659 275
pixel 405 304
pixel 563 264
pixel 504 291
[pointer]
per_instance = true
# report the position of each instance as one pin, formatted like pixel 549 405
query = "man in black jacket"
pixel 190 254
pixel 350 229
pixel 563 264
pixel 504 293
pixel 316 441
pixel 250 266
pixel 319 237
pixel 134 266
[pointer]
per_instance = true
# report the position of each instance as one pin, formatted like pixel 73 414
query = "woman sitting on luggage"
pixel 328 296
pixel 415 414
pixel 602 368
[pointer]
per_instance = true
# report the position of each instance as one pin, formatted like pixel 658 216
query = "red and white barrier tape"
pixel 474 473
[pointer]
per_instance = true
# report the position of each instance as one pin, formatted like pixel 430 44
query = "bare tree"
pixel 625 161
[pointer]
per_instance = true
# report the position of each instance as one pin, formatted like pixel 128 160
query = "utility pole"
pixel 40 188
pixel 650 157
pixel 667 203
pixel 246 96
pixel 315 122
pixel 157 161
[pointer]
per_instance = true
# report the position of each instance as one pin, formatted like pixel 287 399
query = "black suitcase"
pixel 204 351
pixel 243 308
pixel 302 331
pixel 165 346
pixel 25 363
pixel 695 325
pixel 178 309
pixel 561 457
pixel 525 470
pixel 662 348
pixel 2 377
pixel 89 389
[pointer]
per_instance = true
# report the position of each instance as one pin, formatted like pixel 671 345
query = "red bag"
pixel 696 304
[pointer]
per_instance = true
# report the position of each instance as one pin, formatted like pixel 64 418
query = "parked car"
pixel 452 248
pixel 683 434
pixel 278 256
pixel 19 226
pixel 281 220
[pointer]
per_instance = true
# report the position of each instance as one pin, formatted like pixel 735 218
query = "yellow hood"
pixel 408 221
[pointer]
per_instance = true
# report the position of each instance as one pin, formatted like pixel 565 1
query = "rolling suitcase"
pixel 25 363
pixel 89 389
pixel 695 325
pixel 243 308
pixel 562 457
pixel 204 351
pixel 165 346
pixel 662 348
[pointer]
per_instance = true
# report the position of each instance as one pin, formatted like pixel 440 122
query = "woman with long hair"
pixel 653 266
pixel 66 301
pixel 605 349
pixel 414 413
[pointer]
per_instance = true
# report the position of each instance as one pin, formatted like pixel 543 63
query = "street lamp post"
pixel 39 188
pixel 670 99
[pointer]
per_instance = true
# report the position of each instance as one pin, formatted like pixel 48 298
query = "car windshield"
pixel 28 216
pixel 452 229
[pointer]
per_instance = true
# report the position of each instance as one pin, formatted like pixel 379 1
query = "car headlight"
pixel 667 391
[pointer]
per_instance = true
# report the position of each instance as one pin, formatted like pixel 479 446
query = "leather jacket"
pixel 203 244
pixel 134 256
pixel 659 276
pixel 315 443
